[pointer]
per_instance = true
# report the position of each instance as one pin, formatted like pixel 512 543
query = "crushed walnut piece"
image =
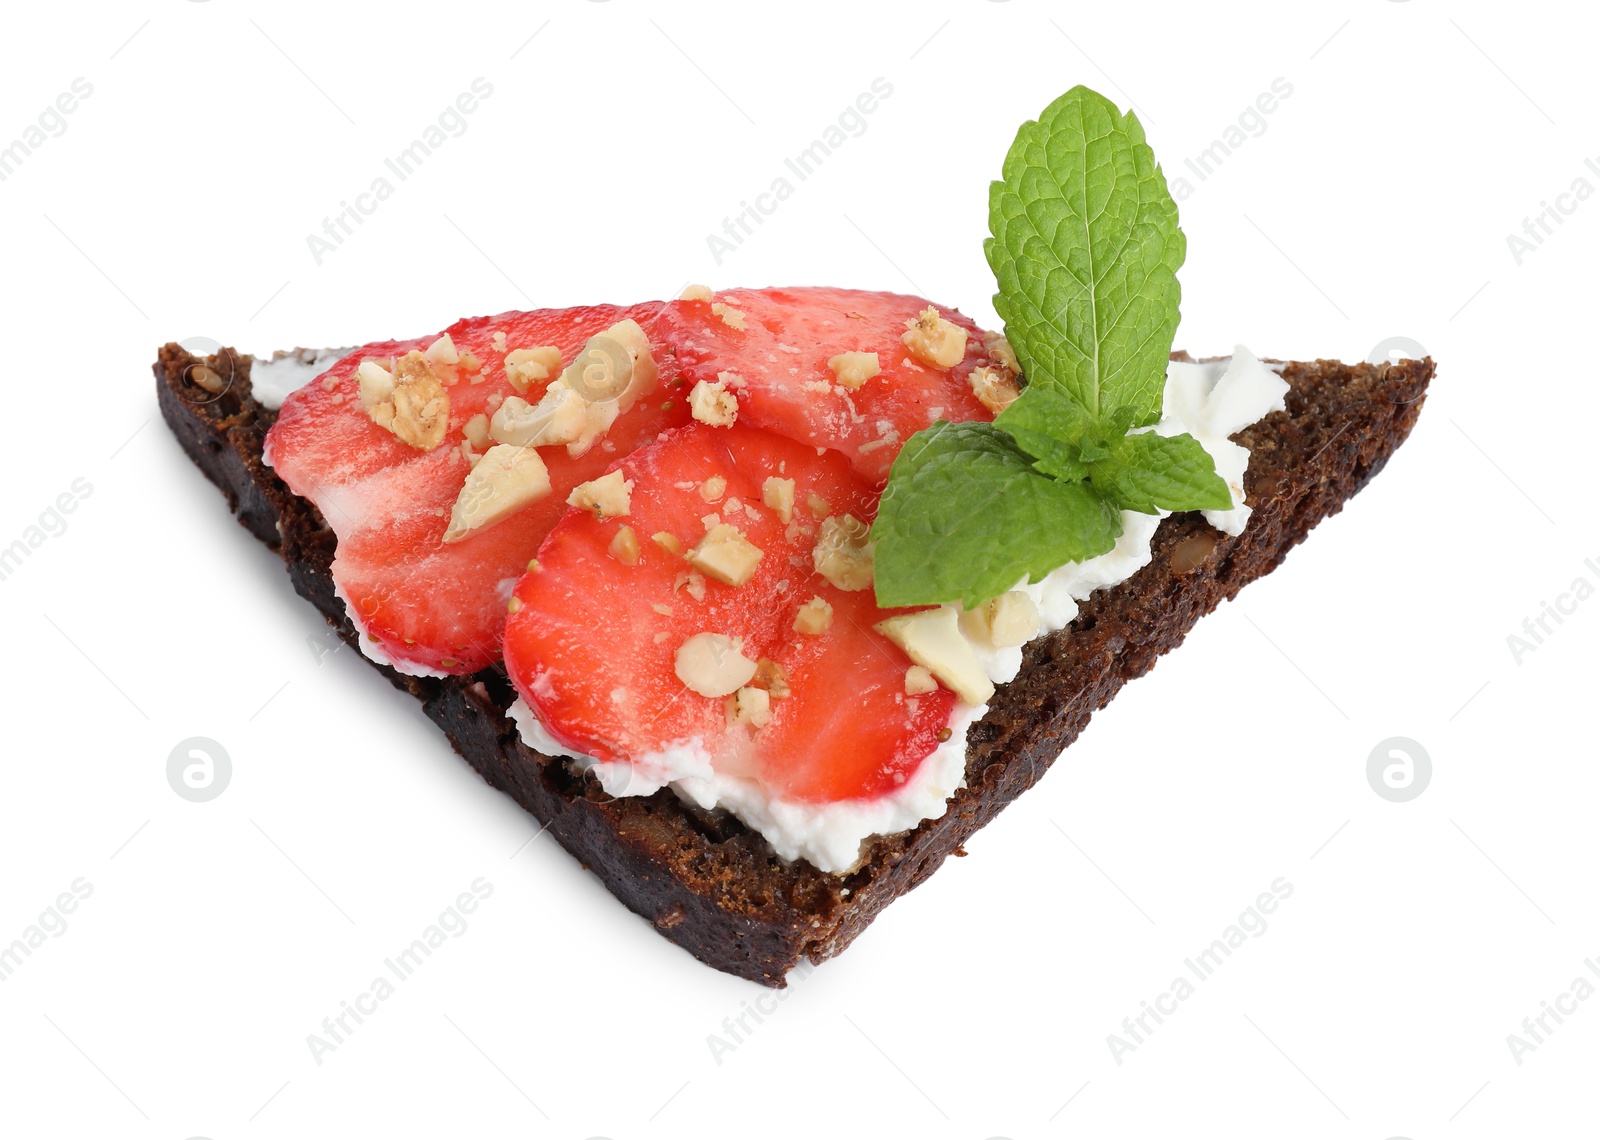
pixel 935 341
pixel 994 387
pixel 729 316
pixel 1001 352
pixel 725 555
pixel 853 369
pixel 411 402
pixel 713 404
pixel 814 617
pixel 528 366
pixel 843 553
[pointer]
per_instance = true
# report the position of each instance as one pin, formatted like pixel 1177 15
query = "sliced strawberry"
pixel 430 604
pixel 593 643
pixel 781 354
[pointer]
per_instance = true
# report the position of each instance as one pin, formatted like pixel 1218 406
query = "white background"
pixel 219 935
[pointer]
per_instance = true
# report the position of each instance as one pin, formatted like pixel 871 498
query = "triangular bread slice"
pixel 703 879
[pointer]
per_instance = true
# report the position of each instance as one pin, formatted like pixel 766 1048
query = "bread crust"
pixel 703 879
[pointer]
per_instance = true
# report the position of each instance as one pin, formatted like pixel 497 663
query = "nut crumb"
pixel 625 546
pixel 729 316
pixel 843 552
pixel 608 496
pixel 713 404
pixel 854 369
pixel 814 617
pixel 935 341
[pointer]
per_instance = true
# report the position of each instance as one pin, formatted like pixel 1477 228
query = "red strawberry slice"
pixel 426 603
pixel 594 642
pixel 782 352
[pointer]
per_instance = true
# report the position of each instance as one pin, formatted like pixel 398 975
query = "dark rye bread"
pixel 703 879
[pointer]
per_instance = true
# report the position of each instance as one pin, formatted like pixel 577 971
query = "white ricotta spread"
pixel 273 378
pixel 1210 401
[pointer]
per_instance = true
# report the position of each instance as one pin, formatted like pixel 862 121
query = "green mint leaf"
pixel 1052 427
pixel 965 517
pixel 1086 249
pixel 1148 472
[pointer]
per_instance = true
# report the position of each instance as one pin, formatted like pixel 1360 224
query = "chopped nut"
pixel 560 416
pixel 376 387
pixel 854 369
pixel 692 581
pixel 935 341
pixel 613 365
pixel 668 542
pixel 625 546
pixel 504 480
pixel 779 495
pixel 607 496
pixel 612 370
pixel 695 293
pixel 1001 352
pixel 416 407
pixel 843 553
pixel 713 404
pixel 498 340
pixel 1005 622
pixel 932 639
pixel 442 351
pixel 919 681
pixel 814 617
pixel 712 665
pixel 476 430
pixel 995 389
pixel 726 556
pixel 817 505
pixel 470 363
pixel 663 610
pixel 750 706
pixel 771 677
pixel 730 316
pixel 527 366
pixel 713 488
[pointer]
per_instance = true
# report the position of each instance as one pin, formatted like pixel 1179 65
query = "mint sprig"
pixel 1085 247
pixel 1086 250
pixel 960 497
